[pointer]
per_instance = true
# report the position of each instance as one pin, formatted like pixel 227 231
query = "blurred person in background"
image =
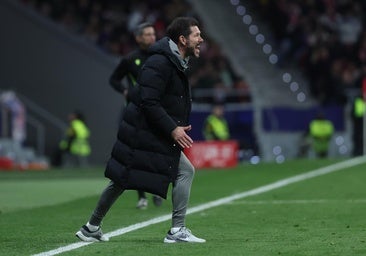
pixel 215 126
pixel 320 133
pixel 129 68
pixel 130 65
pixel 358 113
pixel 149 153
pixel 75 147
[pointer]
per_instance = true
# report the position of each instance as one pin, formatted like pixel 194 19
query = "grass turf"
pixel 41 211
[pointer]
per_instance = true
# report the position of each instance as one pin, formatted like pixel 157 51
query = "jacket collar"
pixel 174 49
pixel 167 47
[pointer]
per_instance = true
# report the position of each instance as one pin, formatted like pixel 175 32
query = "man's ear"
pixel 183 40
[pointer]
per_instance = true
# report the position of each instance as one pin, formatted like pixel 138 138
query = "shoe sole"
pixel 84 238
pixel 170 241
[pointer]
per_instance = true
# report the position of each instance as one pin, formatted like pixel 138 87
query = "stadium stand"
pixel 282 92
pixel 264 59
pixel 109 25
pixel 325 39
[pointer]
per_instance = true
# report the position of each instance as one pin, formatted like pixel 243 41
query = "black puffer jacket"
pixel 145 156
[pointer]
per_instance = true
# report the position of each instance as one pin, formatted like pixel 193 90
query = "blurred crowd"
pixel 326 39
pixel 109 25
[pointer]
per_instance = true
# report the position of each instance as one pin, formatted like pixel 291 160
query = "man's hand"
pixel 179 135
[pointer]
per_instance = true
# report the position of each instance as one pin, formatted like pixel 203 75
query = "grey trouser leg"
pixel 106 200
pixel 181 191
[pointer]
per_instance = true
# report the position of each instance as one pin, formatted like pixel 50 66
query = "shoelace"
pixel 186 230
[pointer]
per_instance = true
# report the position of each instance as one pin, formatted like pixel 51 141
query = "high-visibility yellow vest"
pixel 216 128
pixel 321 132
pixel 80 144
pixel 359 107
pixel 321 128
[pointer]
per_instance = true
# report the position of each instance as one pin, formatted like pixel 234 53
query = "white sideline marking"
pixel 224 200
pixel 300 201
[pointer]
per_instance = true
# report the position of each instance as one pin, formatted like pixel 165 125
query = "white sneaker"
pixel 86 235
pixel 142 204
pixel 182 235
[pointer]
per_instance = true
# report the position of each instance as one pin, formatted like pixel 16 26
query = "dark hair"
pixel 180 26
pixel 79 115
pixel 140 28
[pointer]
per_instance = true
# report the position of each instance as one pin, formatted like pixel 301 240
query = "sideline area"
pixel 58 191
pixel 272 186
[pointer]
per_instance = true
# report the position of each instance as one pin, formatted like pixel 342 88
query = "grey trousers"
pixel 180 195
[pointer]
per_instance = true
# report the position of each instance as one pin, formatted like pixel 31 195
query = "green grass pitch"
pixel 325 215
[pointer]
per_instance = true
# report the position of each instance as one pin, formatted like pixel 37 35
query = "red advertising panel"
pixel 213 154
